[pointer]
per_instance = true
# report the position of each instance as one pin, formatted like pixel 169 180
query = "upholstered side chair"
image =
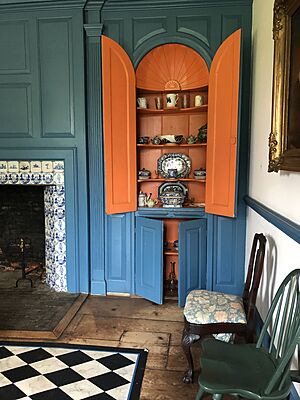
pixel 220 314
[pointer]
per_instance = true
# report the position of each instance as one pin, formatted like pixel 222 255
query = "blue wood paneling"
pixel 200 27
pixel 149 259
pixel 227 238
pixel 95 159
pixel 15 100
pixel 14 47
pixel 119 229
pixel 42 106
pixel 192 257
pixel 145 28
pixel 55 58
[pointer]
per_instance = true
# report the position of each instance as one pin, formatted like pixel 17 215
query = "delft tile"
pixel 13 178
pixel 58 165
pixel 24 166
pixel 47 178
pixel 25 178
pixel 36 166
pixel 3 166
pixel 60 201
pixel 58 178
pixel 36 178
pixel 54 200
pixel 59 213
pixel 60 248
pixel 13 166
pixel 3 178
pixel 60 189
pixel 60 236
pixel 47 166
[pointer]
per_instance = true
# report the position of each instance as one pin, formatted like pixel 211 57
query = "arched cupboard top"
pixel 119 112
pixel 172 67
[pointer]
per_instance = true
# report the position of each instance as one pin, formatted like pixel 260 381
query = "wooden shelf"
pixel 164 92
pixel 151 146
pixel 171 180
pixel 172 110
pixel 171 253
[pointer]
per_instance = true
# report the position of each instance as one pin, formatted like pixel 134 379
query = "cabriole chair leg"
pixel 187 340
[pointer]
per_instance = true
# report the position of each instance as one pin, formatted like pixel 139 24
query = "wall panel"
pixel 15 110
pixel 14 49
pixel 56 77
pixel 145 28
pixel 196 26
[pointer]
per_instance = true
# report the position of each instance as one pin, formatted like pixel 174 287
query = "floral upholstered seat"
pixel 205 307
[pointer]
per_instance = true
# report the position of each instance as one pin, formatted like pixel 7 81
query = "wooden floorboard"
pixel 137 323
pixel 130 322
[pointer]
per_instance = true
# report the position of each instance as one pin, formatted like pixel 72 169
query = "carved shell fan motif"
pixel 172 66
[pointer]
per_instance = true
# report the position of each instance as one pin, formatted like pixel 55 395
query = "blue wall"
pixel 42 106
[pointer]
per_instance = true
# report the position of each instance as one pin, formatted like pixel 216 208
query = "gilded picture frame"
pixel 284 139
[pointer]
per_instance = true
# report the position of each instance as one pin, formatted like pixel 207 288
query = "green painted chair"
pixel 260 371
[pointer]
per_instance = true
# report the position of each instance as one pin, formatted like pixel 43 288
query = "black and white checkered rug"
pixel 68 372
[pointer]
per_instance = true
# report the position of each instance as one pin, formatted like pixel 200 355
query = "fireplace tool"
pixel 22 245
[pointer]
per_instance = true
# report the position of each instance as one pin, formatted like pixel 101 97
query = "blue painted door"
pixel 192 257
pixel 149 259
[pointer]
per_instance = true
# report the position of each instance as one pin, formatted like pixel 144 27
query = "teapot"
pixel 152 202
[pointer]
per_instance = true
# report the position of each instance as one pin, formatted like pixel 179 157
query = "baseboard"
pixel 294 395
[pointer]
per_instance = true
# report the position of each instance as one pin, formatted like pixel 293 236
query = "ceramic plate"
pixel 178 161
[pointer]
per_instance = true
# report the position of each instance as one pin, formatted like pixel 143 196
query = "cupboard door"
pixel 119 114
pixel 223 128
pixel 149 259
pixel 192 257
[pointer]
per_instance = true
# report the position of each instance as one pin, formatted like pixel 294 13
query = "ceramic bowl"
pixel 144 174
pixel 200 173
pixel 172 199
pixel 143 140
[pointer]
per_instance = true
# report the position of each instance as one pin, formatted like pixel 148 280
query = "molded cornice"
pixel 94 4
pixel 24 5
pixel 119 5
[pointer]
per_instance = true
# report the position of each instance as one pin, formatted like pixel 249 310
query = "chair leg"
pixel 187 340
pixel 199 394
pixel 217 396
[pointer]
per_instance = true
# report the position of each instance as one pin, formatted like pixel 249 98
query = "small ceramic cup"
pixel 142 102
pixel 199 100
pixel 172 100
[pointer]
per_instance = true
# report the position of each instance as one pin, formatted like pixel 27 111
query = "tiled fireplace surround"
pixel 49 174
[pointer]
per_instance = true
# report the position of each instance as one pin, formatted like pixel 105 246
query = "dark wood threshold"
pixel 48 335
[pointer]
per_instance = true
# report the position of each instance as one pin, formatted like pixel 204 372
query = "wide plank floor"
pixel 131 322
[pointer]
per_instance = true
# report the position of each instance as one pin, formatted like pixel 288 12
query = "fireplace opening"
pixel 22 235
